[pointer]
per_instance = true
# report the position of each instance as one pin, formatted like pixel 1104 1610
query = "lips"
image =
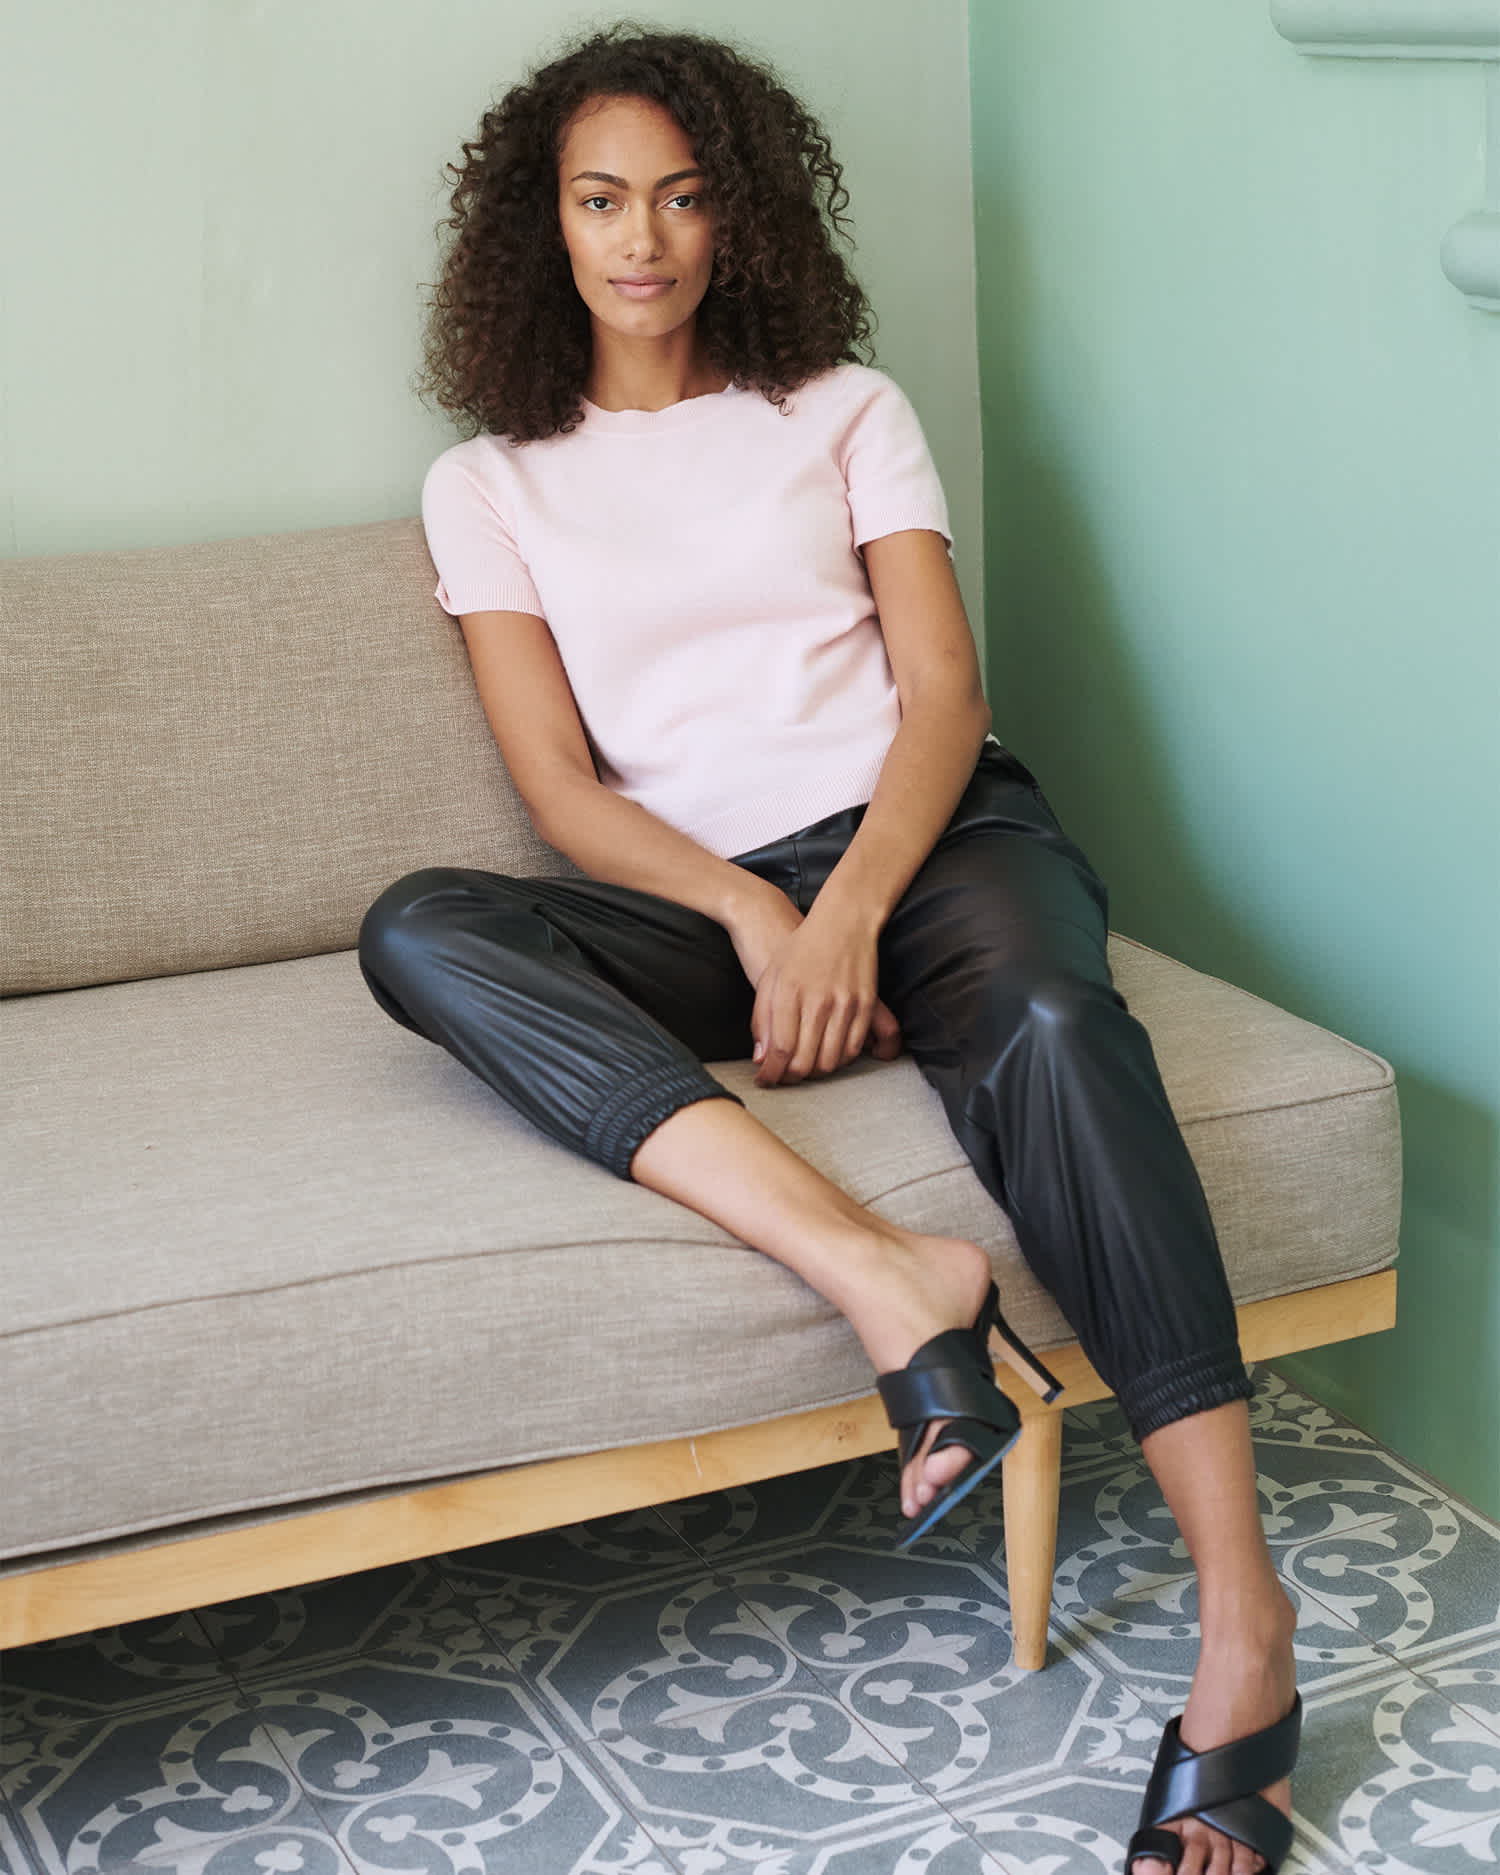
pixel 642 286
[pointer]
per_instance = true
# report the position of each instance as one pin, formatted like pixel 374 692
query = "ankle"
pixel 903 1288
pixel 1259 1620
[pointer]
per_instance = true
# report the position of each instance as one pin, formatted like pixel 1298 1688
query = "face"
pixel 634 218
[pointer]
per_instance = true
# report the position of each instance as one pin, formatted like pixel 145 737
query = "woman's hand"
pixel 816 1007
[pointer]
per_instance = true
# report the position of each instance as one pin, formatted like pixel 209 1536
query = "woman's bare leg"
pixel 1244 1679
pixel 896 1288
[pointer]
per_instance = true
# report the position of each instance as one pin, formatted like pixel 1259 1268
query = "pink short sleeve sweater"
pixel 699 569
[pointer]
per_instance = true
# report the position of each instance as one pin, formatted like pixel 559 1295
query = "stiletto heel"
pixel 1021 1358
pixel 951 1377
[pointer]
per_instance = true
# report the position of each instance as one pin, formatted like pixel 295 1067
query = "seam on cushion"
pixel 959 1164
pixel 1369 1054
pixel 1284 1106
pixel 1251 1297
pixel 1257 1295
pixel 349 1276
pixel 387 1485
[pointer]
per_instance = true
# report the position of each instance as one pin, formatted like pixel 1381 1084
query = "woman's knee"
pixel 1039 1005
pixel 406 915
pixel 1064 1010
pixel 1077 1042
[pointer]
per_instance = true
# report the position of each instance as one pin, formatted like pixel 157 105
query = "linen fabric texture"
pixel 218 754
pixel 308 1253
pixel 747 692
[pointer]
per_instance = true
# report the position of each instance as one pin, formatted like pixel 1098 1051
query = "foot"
pixel 1245 1680
pixel 914 1288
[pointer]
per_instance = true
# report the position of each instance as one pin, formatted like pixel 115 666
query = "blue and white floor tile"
pixel 755 1682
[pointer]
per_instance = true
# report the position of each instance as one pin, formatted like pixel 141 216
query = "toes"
pixel 930 1473
pixel 943 1467
pixel 1204 1850
pixel 1218 1852
pixel 1193 1859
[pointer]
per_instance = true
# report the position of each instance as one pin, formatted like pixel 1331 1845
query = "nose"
pixel 642 235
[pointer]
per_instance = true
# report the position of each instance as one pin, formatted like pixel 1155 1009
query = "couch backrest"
pixel 218 755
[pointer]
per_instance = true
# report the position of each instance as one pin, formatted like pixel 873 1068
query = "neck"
pixel 649 374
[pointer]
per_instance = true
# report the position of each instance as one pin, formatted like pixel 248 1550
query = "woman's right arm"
pixel 532 712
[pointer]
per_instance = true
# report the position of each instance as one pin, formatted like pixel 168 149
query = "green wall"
pixel 1242 510
pixel 217 215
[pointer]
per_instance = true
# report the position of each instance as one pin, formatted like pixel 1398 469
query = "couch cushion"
pixel 218 755
pixel 263 1246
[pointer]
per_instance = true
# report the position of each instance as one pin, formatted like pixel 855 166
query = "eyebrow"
pixel 601 175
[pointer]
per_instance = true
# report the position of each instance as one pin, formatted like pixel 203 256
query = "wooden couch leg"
pixel 1032 1478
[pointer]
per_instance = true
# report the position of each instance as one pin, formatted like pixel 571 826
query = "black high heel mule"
pixel 952 1377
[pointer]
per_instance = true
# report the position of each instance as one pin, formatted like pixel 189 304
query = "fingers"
pixel 885 1034
pixel 838 1046
pixel 801 1045
pixel 799 1040
pixel 776 1024
pixel 816 1007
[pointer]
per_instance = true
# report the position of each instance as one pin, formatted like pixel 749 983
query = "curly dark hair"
pixel 508 339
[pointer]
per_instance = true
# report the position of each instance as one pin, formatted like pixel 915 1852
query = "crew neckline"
pixel 670 417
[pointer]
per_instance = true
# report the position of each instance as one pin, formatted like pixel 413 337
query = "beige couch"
pixel 285 1292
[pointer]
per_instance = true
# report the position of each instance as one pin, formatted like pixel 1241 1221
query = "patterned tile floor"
pixel 755 1682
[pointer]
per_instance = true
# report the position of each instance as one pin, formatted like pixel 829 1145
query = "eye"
pixel 682 201
pixel 589 201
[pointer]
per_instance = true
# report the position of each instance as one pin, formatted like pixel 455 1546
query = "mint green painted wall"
pixel 217 214
pixel 1242 496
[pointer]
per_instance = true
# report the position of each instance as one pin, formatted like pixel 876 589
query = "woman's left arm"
pixel 816 1003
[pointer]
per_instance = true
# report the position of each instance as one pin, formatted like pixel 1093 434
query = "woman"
pixel 700 559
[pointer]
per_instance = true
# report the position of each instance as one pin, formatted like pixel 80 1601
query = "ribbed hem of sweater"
pixel 1178 1389
pixel 772 813
pixel 634 1111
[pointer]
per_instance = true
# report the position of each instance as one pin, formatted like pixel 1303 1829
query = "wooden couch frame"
pixel 185 1572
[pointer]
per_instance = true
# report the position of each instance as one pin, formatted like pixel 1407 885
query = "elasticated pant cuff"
pixel 1177 1390
pixel 636 1110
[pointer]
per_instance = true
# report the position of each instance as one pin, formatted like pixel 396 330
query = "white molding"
pixel 1391 29
pixel 1471 258
pixel 1422 29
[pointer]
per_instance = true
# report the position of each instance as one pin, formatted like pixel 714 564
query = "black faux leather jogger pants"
pixel 592 1008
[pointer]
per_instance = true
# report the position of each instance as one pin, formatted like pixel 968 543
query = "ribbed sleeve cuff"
pixel 876 523
pixel 510 595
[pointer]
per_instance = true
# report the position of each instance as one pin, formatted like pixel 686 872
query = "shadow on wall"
pixel 1070 694
pixel 1449 1298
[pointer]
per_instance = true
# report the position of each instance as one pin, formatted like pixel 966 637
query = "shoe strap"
pixel 1255 1832
pixel 1224 1783
pixel 1255 1822
pixel 956 1388
pixel 1160 1843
